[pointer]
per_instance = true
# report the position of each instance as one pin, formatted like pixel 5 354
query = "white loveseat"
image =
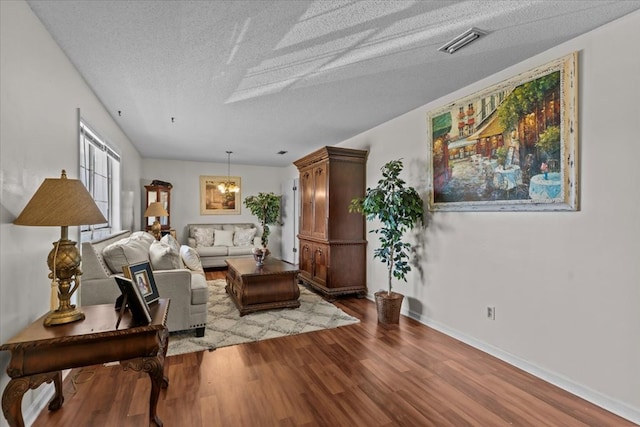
pixel 186 287
pixel 217 242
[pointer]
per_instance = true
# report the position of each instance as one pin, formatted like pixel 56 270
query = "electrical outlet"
pixel 491 313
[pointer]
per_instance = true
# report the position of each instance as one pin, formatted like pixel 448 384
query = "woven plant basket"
pixel 388 307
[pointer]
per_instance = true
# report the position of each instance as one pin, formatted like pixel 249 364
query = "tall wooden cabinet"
pixel 332 240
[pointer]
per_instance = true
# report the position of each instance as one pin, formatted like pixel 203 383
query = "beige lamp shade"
pixel 61 202
pixel 155 209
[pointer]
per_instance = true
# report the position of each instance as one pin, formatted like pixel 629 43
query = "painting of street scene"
pixel 509 147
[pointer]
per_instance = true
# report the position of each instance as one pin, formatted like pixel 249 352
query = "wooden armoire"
pixel 333 247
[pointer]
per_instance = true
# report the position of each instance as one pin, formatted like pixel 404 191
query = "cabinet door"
pixel 157 193
pixel 152 197
pixel 306 194
pixel 320 264
pixel 306 259
pixel 163 197
pixel 320 196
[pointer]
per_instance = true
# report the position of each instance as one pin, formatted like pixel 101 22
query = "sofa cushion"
pixel 130 250
pixel 199 290
pixel 213 251
pixel 234 226
pixel 240 250
pixel 223 238
pixel 203 236
pixel 191 259
pixel 164 257
pixel 143 236
pixel 243 236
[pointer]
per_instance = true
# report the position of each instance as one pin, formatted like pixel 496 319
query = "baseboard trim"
pixel 614 406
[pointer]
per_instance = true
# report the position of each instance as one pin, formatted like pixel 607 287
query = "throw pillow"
pixel 244 236
pixel 164 257
pixel 191 258
pixel 124 252
pixel 168 239
pixel 203 236
pixel 223 238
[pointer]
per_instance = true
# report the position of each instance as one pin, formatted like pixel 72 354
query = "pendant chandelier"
pixel 228 186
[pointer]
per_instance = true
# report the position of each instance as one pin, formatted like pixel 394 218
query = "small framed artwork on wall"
pixel 215 202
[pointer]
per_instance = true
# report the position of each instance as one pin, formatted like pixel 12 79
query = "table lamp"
pixel 62 202
pixel 156 210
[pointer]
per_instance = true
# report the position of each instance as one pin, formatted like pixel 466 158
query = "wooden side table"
pixel 39 354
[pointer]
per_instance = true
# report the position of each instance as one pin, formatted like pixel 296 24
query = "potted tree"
pixel 266 206
pixel 398 208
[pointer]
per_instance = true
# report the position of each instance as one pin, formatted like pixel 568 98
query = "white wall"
pixel 39 97
pixel 566 286
pixel 185 194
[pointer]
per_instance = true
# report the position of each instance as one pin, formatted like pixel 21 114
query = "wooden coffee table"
pixel 253 288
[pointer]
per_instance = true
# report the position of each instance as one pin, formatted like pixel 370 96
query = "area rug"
pixel 225 326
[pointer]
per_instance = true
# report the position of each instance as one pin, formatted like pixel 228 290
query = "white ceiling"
pixel 257 77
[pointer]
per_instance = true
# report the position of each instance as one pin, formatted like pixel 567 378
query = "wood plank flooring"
pixel 359 375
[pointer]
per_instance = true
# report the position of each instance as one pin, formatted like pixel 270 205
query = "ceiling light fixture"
pixel 462 40
pixel 228 187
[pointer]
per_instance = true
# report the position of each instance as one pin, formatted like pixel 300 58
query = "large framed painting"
pixel 215 202
pixel 512 146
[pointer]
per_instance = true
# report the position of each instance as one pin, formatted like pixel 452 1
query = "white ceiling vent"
pixel 462 40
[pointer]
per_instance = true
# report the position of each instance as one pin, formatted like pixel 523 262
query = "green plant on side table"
pixel 265 206
pixel 398 208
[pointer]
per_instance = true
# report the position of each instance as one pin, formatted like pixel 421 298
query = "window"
pixel 100 173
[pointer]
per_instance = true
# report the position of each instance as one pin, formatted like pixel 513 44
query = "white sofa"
pixel 187 288
pixel 217 242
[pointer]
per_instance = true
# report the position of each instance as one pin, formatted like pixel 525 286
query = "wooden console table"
pixel 39 354
pixel 253 288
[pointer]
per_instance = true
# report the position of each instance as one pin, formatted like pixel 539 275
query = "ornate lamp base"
pixel 64 263
pixel 60 317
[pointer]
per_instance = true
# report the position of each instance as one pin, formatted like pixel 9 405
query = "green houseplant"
pixel 265 206
pixel 398 208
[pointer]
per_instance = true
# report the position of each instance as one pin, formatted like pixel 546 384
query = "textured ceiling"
pixel 257 77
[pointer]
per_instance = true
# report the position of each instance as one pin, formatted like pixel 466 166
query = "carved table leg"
pixel 156 374
pixel 164 345
pixel 12 395
pixel 154 366
pixel 12 401
pixel 58 399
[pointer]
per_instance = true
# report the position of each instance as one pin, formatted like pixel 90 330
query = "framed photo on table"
pixel 134 300
pixel 142 276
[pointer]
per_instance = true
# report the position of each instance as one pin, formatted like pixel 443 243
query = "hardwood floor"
pixel 358 375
